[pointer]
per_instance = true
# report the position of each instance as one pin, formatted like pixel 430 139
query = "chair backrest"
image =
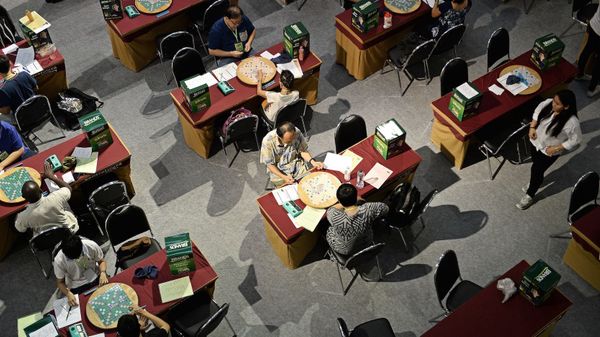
pixel 578 5
pixel 584 191
pixel 454 73
pixel 515 136
pixel 241 128
pixel 364 255
pixel 291 113
pixel 107 197
pixel 419 54
pixel 343 327
pixel 498 47
pixel 213 13
pixel 48 237
pixel 213 322
pixel 446 274
pixel 32 113
pixel 398 196
pixel 424 204
pixel 349 131
pixel 186 63
pixel 449 39
pixel 125 222
pixel 172 43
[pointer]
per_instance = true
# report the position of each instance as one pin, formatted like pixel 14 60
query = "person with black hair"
pixel 15 88
pixel 230 38
pixel 351 224
pixel 130 326
pixel 8 32
pixel 447 15
pixel 79 266
pixel 284 151
pixel 554 129
pixel 12 148
pixel 275 101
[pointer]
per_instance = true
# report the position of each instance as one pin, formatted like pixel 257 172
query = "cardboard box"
pixel 296 41
pixel 547 51
pixel 111 9
pixel 196 93
pixel 180 256
pixel 96 130
pixel 35 30
pixel 389 138
pixel 465 100
pixel 365 15
pixel 538 282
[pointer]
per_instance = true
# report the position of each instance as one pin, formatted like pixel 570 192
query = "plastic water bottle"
pixel 360 182
pixel 347 175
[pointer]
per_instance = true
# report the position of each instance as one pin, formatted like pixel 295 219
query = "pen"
pixel 68 313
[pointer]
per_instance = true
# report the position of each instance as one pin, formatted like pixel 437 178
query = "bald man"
pixel 52 209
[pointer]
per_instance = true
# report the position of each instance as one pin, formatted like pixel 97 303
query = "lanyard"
pixel 235 34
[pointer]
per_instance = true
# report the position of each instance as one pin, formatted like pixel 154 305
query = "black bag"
pixel 70 120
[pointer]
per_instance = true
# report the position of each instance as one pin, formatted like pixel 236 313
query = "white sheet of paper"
pixel 34 67
pixel 496 90
pixel 9 49
pixel 356 159
pixel 226 72
pixel 68 177
pixel 293 220
pixel 310 217
pixel 430 3
pixel 175 289
pixel 45 331
pixel 51 185
pixel 466 90
pixel 266 55
pixel 378 175
pixel 25 56
pixel 98 335
pixel 87 165
pixel 293 66
pixel 336 162
pixel 81 152
pixel 286 193
pixel 61 308
pixel 197 81
pixel 514 89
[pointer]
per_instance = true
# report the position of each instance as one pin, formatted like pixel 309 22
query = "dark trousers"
pixel 541 163
pixel 592 46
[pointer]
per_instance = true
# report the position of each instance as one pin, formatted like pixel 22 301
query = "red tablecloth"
pixel 492 106
pixel 243 92
pixel 343 22
pixel 402 163
pixel 51 63
pixel 128 28
pixel 147 290
pixel 586 231
pixel 110 158
pixel 485 315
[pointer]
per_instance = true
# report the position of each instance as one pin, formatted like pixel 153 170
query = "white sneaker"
pixel 525 202
pixel 592 93
pixel 525 188
pixel 583 77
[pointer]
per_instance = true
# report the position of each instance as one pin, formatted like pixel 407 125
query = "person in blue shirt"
pixel 11 145
pixel 230 38
pixel 15 88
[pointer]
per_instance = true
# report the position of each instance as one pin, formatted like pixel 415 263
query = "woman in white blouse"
pixel 553 131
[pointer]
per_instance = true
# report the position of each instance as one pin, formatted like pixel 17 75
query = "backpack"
pixel 70 120
pixel 235 115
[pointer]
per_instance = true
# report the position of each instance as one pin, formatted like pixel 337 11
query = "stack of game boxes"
pixel 365 15
pixel 465 100
pixel 296 41
pixel 547 51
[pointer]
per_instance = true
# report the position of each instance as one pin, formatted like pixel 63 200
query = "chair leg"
pixel 39 262
pixel 403 239
pixel 422 228
pixel 562 235
pixel 96 220
pixel 58 125
pixel 435 319
pixel 230 327
pixel 351 282
pixel 304 126
pixel 378 268
pixel 337 265
pixel 487 156
pixel 409 83
pixel 568 28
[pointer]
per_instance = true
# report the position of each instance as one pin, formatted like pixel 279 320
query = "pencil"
pixel 68 313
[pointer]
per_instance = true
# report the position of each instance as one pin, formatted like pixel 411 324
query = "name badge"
pixel 239 46
pixel 244 35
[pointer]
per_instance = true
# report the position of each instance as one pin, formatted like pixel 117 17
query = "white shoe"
pixel 592 93
pixel 525 188
pixel 525 202
pixel 583 77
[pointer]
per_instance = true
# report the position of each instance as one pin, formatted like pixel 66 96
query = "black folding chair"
pixel 46 239
pixel 498 47
pixel 239 130
pixel 106 198
pixel 454 73
pixel 355 260
pixel 581 12
pixel 584 199
pixel 415 66
pixel 169 45
pixel 447 41
pixel 291 113
pixel 186 63
pixel 198 316
pixel 499 142
pixel 215 11
pixel 32 114
pixel 379 327
pixel 349 131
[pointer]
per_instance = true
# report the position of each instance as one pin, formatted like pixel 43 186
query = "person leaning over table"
pixel 592 46
pixel 275 101
pixel 79 266
pixel 130 326
pixel 11 146
pixel 231 37
pixel 554 129
pixel 285 151
pixel 8 32
pixel 15 89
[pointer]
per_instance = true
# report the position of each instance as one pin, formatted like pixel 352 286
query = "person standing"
pixel 8 32
pixel 591 47
pixel 554 129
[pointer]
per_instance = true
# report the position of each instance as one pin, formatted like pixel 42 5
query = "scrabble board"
pixel 12 180
pixel 528 75
pixel 402 6
pixel 246 70
pixel 152 6
pixel 318 189
pixel 108 303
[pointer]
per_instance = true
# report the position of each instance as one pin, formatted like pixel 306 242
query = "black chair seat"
pixel 397 55
pixel 340 257
pixel 585 210
pixel 586 13
pixel 154 248
pixel 461 293
pixel 376 328
pixel 187 315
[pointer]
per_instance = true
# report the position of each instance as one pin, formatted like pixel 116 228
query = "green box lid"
pixel 365 6
pixel 178 244
pixel 92 121
pixel 542 275
pixel 294 31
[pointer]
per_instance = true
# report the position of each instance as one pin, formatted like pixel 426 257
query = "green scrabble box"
pixel 465 100
pixel 389 138
pixel 538 282
pixel 180 256
pixel 96 130
pixel 365 15
pixel 547 51
pixel 196 93
pixel 296 41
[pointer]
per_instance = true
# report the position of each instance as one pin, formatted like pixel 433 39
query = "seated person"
pixel 52 209
pixel 275 101
pixel 130 326
pixel 230 38
pixel 351 225
pixel 11 146
pixel 14 90
pixel 79 266
pixel 285 152
pixel 449 14
pixel 8 32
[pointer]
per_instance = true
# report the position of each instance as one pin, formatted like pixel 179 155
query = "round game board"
pixel 402 6
pixel 152 6
pixel 529 74
pixel 246 70
pixel 318 189
pixel 108 303
pixel 12 180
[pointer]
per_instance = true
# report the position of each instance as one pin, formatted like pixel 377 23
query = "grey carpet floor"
pixel 183 193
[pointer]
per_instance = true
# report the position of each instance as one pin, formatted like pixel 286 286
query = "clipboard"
pixel 31 329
